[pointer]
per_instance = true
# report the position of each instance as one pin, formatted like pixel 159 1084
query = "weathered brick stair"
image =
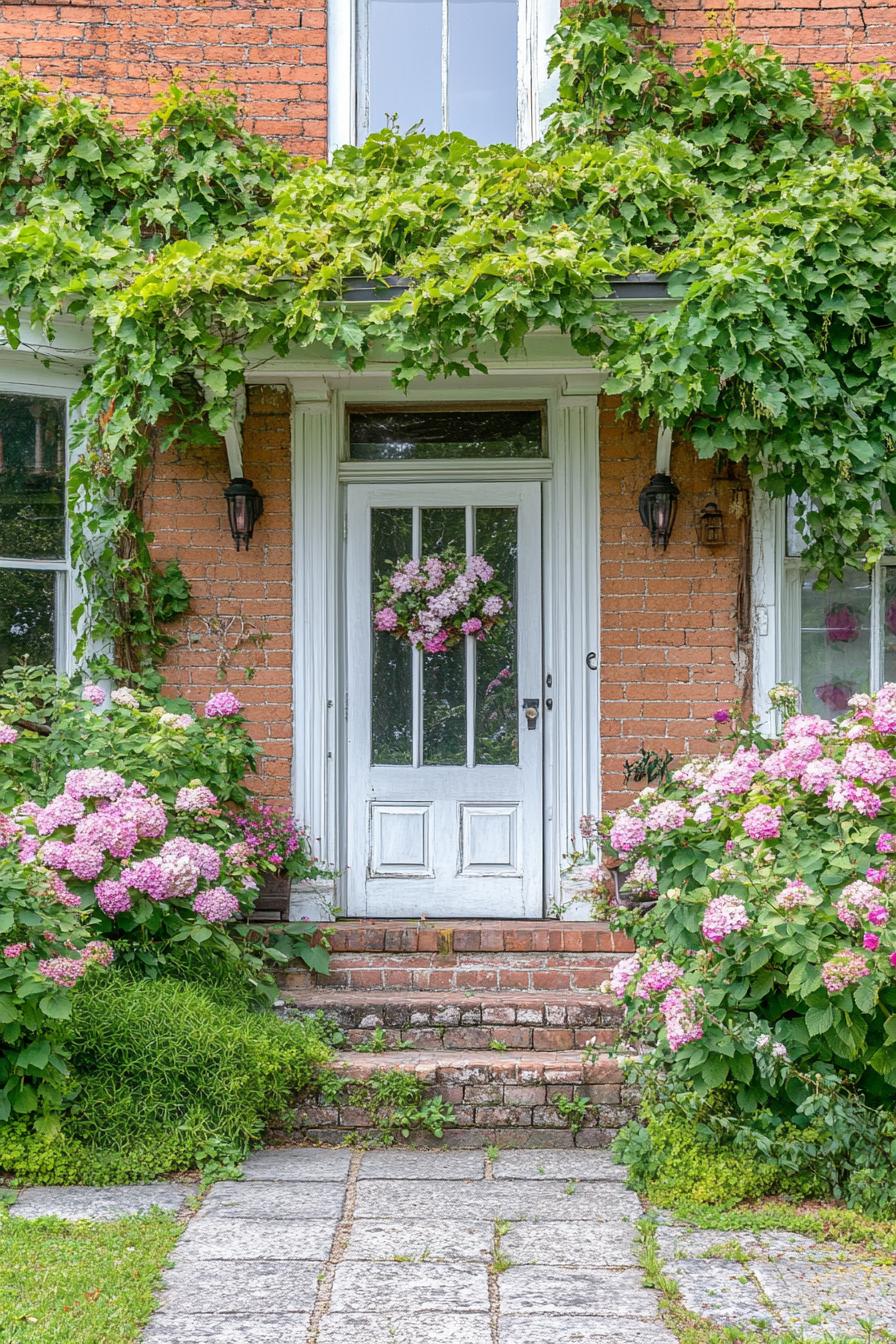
pixel 492 1016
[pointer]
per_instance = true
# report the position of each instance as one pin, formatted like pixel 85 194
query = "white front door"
pixel 444 761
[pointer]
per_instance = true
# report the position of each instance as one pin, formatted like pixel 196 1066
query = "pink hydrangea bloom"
pixel 723 915
pixel 883 711
pixel 493 606
pixel 54 854
pixel 28 847
pixel 108 830
pixel 735 775
pixel 659 976
pixel 877 876
pixel 147 814
pixel 762 822
pixel 681 1009
pixel 196 798
pixel 13 950
pixel 843 969
pixel 64 971
pixel 807 725
pixel 223 705
pixel 437 643
pixel 178 863
pixel 112 897
pixel 472 626
pixel 871 941
pixel 862 761
pixel 84 860
pixel 63 810
pixel 791 761
pixel 795 892
pixel 216 904
pixel 9 830
pixel 666 816
pixel 626 833
pixel 845 793
pixel 819 775
pixel 385 619
pixel 93 783
pixel 703 813
pixel 239 853
pixel 886 843
pixel 878 914
pixel 149 877
pixel 623 973
pixel 63 894
pixel 95 695
pixel 8 735
pixel 855 901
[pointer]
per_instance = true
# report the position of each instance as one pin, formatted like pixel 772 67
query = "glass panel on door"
pixel 458 706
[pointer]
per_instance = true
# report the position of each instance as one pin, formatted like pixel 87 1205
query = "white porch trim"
pixel 571 564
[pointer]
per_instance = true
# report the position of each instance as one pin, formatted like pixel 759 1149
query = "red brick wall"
pixel 273 53
pixel 668 639
pixel 804 31
pixel 186 510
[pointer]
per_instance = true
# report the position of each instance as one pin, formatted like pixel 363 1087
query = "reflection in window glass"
pixel 395 436
pixel 482 69
pixel 835 642
pixel 27 616
pixel 32 478
pixel 497 717
pixel 391 674
pixel 448 64
pixel 404 70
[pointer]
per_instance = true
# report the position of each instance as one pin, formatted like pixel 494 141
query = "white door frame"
pixel 571 605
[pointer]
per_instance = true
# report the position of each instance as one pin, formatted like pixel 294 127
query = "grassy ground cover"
pixel 80 1283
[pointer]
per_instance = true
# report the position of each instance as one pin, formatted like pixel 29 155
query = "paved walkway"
pixel 401 1247
pixel 325 1246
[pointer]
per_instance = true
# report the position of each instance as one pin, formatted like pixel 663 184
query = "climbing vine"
pixel 192 248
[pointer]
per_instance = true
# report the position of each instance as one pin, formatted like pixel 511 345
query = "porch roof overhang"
pixel 641 287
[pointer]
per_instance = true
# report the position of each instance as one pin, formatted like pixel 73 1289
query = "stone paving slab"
pixel 541 1200
pixel 400 1164
pixel 574 1164
pixel 575 1292
pixel 818 1300
pixel 216 1287
pixel 405 1290
pixel 578 1244
pixel 423 1328
pixel 580 1330
pixel 274 1200
pixel 258 1239
pixel 721 1290
pixel 297 1164
pixel 421 1238
pixel 176 1328
pixel 100 1203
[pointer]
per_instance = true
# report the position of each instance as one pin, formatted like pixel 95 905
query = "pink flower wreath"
pixel 437 601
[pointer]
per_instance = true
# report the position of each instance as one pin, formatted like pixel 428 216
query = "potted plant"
pixel 280 849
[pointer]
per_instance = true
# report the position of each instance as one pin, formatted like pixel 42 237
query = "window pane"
pixel 835 642
pixel 32 477
pixel 482 69
pixel 392 436
pixel 27 616
pixel 497 717
pixel 391 690
pixel 404 73
pixel 445 707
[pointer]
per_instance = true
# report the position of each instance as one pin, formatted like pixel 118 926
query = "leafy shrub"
pixel 674 1162
pixel 765 972
pixel 166 1075
pixel 161 745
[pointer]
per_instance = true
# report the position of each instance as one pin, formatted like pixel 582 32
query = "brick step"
pixel 448 936
pixel 430 971
pixel 502 1098
pixel 562 1020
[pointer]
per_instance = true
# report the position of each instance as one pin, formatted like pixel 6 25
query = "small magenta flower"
pixel 722 716
pixel 871 941
pixel 13 950
pixel 762 822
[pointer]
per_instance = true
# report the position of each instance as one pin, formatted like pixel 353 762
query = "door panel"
pixel 444 778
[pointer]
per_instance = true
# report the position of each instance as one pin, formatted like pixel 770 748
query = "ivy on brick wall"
pixel 193 246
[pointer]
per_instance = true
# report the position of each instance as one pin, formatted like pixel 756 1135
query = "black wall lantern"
pixel 711 525
pixel 244 508
pixel 657 504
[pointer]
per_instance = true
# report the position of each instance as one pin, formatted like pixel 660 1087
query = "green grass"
pixel 80 1283
pixel 822 1222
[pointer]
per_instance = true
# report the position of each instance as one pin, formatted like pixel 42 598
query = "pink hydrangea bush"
pixel 774 916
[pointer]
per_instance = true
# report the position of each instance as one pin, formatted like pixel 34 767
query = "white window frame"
pixel 33 380
pixel 777 615
pixel 346 25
